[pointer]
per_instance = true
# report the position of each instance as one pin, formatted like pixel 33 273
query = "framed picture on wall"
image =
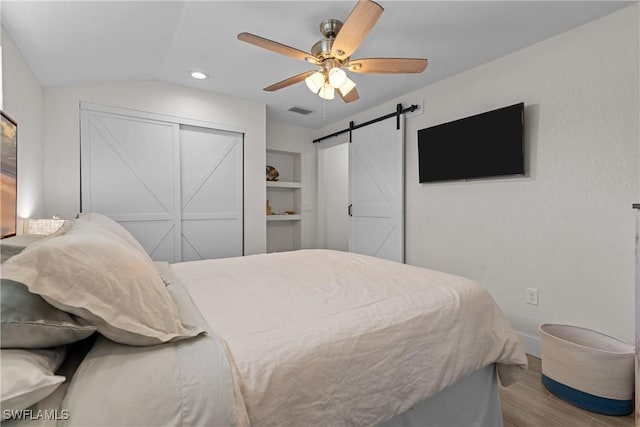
pixel 8 175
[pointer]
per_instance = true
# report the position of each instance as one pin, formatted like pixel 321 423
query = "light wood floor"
pixel 528 403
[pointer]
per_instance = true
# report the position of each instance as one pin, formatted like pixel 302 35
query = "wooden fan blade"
pixel 388 65
pixel 280 48
pixel 356 28
pixel 349 97
pixel 288 82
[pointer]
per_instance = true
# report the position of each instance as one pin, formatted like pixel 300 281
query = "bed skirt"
pixel 474 401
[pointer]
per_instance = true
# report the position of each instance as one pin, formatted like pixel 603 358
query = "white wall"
pixel 62 139
pixel 295 139
pixel 567 229
pixel 23 102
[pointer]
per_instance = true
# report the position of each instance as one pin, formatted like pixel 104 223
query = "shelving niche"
pixel 284 232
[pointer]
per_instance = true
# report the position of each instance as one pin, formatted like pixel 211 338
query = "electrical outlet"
pixel 532 296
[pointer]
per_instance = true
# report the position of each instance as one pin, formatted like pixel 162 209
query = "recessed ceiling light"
pixel 199 75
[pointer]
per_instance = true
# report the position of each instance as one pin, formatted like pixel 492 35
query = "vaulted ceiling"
pixel 85 42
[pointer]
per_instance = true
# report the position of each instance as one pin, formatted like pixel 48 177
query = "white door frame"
pixel 324 193
pixel 159 117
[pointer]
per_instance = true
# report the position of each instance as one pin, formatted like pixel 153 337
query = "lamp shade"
pixel 42 226
pixel 347 86
pixel 327 92
pixel 337 77
pixel 315 82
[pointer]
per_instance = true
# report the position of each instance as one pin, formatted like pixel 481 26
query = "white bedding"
pixel 184 383
pixel 322 337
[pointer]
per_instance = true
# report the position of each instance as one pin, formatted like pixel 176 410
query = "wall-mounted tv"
pixel 489 144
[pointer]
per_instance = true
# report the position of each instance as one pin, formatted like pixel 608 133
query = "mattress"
pixel 320 337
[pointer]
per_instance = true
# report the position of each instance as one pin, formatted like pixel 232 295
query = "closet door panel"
pixel 123 171
pixel 157 236
pixel 128 174
pixel 211 193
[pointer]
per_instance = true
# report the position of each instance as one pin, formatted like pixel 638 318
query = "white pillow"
pixel 109 224
pixel 28 376
pixel 98 277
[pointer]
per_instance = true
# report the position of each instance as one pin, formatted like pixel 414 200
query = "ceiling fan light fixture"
pixel 347 86
pixel 332 55
pixel 315 82
pixel 337 77
pixel 327 92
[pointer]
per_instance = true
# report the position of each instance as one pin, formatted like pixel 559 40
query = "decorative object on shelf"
pixel 269 211
pixel 8 175
pixel 272 173
pixel 289 212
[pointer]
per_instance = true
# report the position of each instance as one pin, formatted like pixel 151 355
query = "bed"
pixel 309 337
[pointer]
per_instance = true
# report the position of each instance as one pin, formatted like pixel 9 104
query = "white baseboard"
pixel 531 344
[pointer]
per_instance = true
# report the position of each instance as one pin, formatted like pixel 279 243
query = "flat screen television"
pixel 489 144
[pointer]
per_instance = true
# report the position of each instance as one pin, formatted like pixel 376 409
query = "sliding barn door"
pixel 376 190
pixel 176 188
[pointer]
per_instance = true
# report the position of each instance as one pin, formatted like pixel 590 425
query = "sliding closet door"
pixel 211 193
pixel 376 190
pixel 128 174
pixel 176 187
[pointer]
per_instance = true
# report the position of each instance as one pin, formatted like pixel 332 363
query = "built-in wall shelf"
pixel 284 232
pixel 283 184
pixel 284 217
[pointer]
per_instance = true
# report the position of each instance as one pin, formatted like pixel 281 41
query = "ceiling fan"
pixel 333 55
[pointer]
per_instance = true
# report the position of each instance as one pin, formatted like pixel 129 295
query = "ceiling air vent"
pixel 300 110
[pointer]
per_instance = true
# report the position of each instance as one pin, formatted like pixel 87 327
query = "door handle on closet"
pixel 349 210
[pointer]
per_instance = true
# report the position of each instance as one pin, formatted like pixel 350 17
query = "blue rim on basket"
pixel 590 402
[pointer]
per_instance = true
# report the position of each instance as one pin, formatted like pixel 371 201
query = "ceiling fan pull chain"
pixel 324 110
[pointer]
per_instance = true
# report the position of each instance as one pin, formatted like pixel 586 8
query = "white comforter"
pixel 328 338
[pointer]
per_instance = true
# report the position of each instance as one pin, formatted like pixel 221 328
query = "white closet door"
pixel 376 190
pixel 128 174
pixel 211 193
pixel 176 188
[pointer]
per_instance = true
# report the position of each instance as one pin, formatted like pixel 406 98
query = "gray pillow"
pixel 28 321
